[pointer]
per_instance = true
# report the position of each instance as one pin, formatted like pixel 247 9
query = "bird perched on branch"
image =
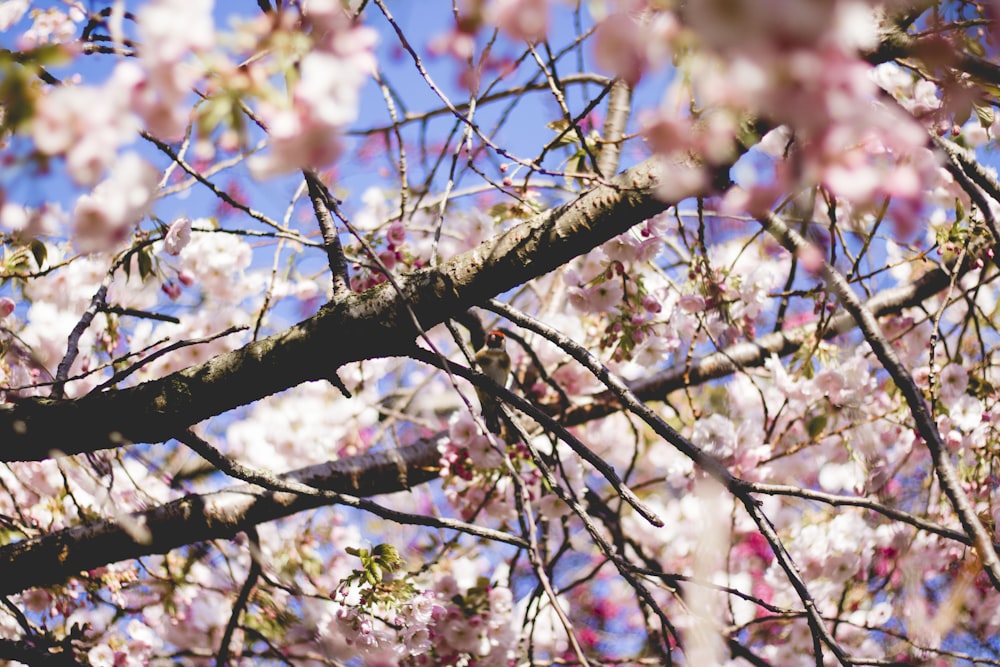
pixel 494 362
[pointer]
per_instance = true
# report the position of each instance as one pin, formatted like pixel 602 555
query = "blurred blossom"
pixel 11 12
pixel 305 130
pixel 104 218
pixel 526 20
pixel 86 124
pixel 604 297
pixel 692 303
pixel 954 380
pixel 627 47
pixel 49 26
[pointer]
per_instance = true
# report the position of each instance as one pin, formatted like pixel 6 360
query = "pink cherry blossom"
pixel 177 237
pixel 305 132
pixel 603 297
pixel 954 381
pixel 51 25
pixel 627 46
pixel 86 124
pixel 692 303
pixel 733 335
pixel 526 20
pixel 102 219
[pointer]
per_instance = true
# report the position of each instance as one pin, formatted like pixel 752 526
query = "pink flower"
pixel 526 20
pixel 458 44
pixel 501 602
pixel 50 25
pixel 177 236
pixel 811 258
pixel 667 133
pixel 184 277
pixel 171 289
pixel 686 180
pixel 157 97
pixel 484 452
pixel 396 234
pixel 298 140
pixel 745 24
pixel 617 50
pixel 6 306
pixel 101 655
pixel 954 381
pixel 11 12
pixel 628 48
pixel 692 303
pixel 466 635
pixel 37 600
pixel 84 123
pixel 462 429
pixel 832 384
pixel 601 298
pixel 651 304
pixel 101 219
pixel 306 131
pixel 172 29
pixel 388 259
pixel 329 88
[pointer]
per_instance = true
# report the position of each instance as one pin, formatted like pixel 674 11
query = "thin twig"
pixel 323 203
pixel 253 574
pixel 739 488
pixel 922 418
pixel 288 484
pixel 549 423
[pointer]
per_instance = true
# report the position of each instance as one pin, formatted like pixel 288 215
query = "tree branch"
pixel 619 105
pixel 922 418
pixel 51 558
pixel 754 353
pixel 377 323
pixel 323 203
pixel 388 472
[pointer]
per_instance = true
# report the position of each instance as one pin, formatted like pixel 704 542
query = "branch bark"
pixel 52 558
pixel 375 324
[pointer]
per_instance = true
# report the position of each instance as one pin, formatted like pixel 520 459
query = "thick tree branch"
pixel 51 558
pixel 387 472
pixel 323 203
pixel 29 653
pixel 362 326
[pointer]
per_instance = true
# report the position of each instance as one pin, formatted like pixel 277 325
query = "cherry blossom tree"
pixel 742 253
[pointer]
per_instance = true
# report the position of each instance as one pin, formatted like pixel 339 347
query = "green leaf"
pixel 816 425
pixel 561 126
pixel 145 264
pixel 985 115
pixel 39 251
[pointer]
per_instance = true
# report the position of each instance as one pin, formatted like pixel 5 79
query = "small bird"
pixel 494 362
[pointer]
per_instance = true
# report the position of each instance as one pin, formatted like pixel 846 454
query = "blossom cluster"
pixel 732 341
pixel 305 127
